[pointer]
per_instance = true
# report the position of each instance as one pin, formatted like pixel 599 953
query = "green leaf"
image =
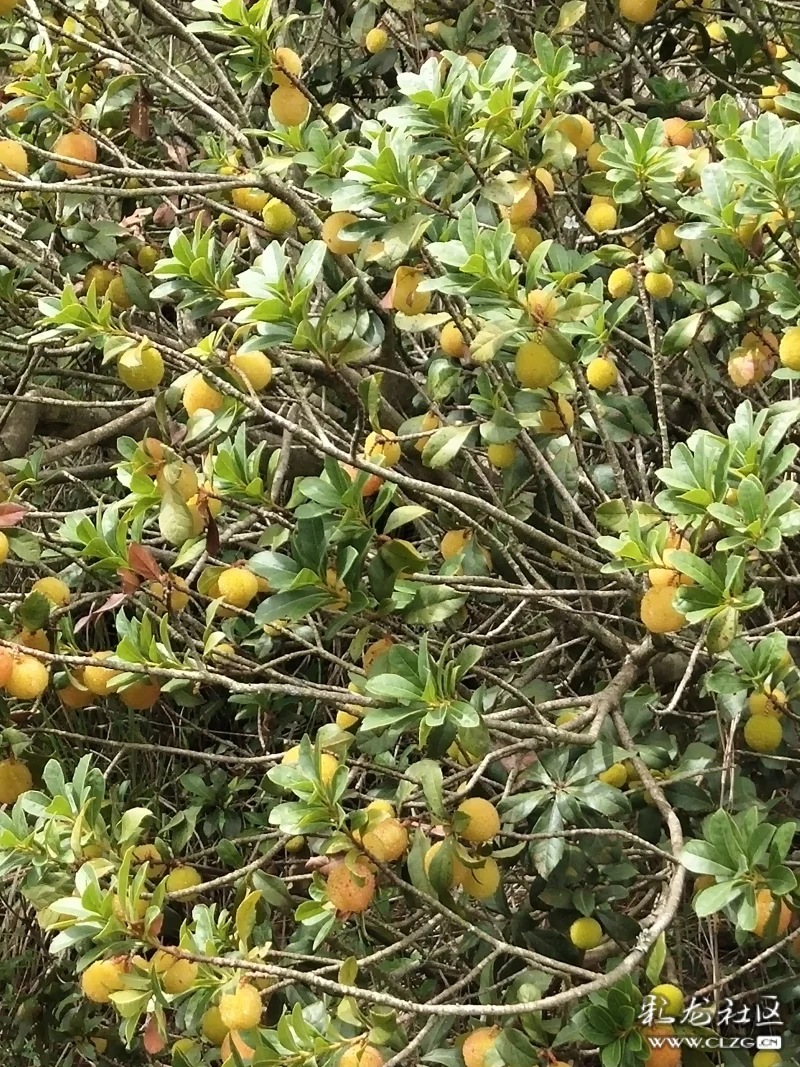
pixel 34 611
pixel 716 897
pixel 571 13
pixel 443 446
pixel 681 334
pixel 656 959
pixel 429 774
pixel 402 515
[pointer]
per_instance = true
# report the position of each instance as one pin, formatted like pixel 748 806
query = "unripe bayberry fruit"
pixel 180 976
pixel 658 612
pixel 278 217
pixel 101 979
pixel 241 1010
pixel 659 286
pixel 249 198
pixel 601 373
pixel 789 350
pixel 289 106
pixel 15 779
pixel 616 775
pixel 141 368
pixel 535 365
pixel 13 158
pixel 526 240
pixel 237 586
pixel 478 1044
pixel 452 341
pixel 586 933
pixel 522 210
pixel 458 871
pixel 183 877
pixel 677 131
pixel 197 393
pixel 601 217
pixel 578 131
pixel 665 238
pixel 557 418
pixel 253 367
pixel 638 11
pixel 147 257
pixel 28 679
pixel 484 822
pixel 620 283
pixel 669 1000
pixel 542 304
pixel 97 679
pixel 406 296
pixel 328 763
pixel 118 294
pixel 3 547
pixel 481 882
pixel 382 446
pixel 290 61
pixel 331 228
pixel 361 1056
pixel 78 146
pixel 54 589
pixel 376 40
pixel 141 695
pixel 213 1028
pixel 502 456
pixel 766 904
pixel 344 890
pixel 763 733
pixel 387 841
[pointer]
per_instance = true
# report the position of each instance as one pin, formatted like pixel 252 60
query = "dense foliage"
pixel 399 453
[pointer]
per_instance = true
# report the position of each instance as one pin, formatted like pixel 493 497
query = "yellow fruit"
pixel 703 881
pixel 478 1044
pixel 542 304
pixel 241 1010
pixel 405 295
pixel 332 227
pixel 150 855
pixel 377 648
pixel 665 238
pixel 33 639
pixel 639 11
pixel 765 903
pixel 453 542
pixel 179 477
pixel 28 678
pixel 545 179
pixel 766 1058
pixel 15 779
pixel 344 720
pixel 601 373
pixel 658 613
pixel 430 421
pixel 183 877
pixel 566 717
pixel 502 456
pixel 557 418
pixel 458 872
pixel 601 217
pixel 180 976
pixel 98 679
pixel 253 367
pixel 295 844
pixel 290 61
pixel 659 286
pixel 344 890
pixel 376 40
pixel 13 158
pixel 484 822
pixel 141 695
pixel 247 198
pixel 616 775
pixel 328 763
pixel 660 1055
pixel 101 276
pixel 100 980
pixel 481 882
pixel 535 365
pixel 289 106
pixel 763 733
pixel 525 202
pixel 361 1056
pixel 212 1027
pixel 71 696
pixel 172 597
pixel 385 807
pixel 3 547
pixel 677 131
pixel 118 294
pixel 526 240
pixel 593 157
pixel 620 283
pixel 54 589
pixel 278 217
pixel 387 841
pixel 147 257
pixel 586 933
pixel 382 448
pixel 761 703
pixel 78 146
pixel 141 368
pixel 197 393
pixel 668 999
pixel 789 350
pixel 578 130
pixel 452 341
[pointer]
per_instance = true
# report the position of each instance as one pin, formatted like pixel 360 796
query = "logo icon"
pixel 768 1041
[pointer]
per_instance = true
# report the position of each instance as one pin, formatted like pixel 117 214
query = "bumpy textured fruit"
pixel 180 976
pixel 762 733
pixel 616 775
pixel 141 695
pixel 526 240
pixel 659 286
pixel 141 368
pixel 376 40
pixel 290 61
pixel 289 106
pixel 668 999
pixel 502 456
pixel 789 350
pixel 101 276
pixel 183 877
pixel 484 822
pixel 586 933
pixel 761 703
pixel 452 341
pixel 212 1027
pixel 557 418
pixel 118 294
pixel 601 217
pixel 535 365
pixel 174 596
pixel 661 1055
pixel 331 228
pixel 765 903
pixel 658 613
pixel 147 257
pixel 578 130
pixel 15 779
pixel 54 589
pixel 149 854
pixel 387 841
pixel 677 131
pixel 197 393
pixel 249 198
pixel 97 679
pixel 665 238
pixel 383 448
pixel 593 155
pixel 361 1056
pixel 6 665
pixel 344 891
pixel 453 542
pixel 525 202
pixel 278 217
pixel 100 980
pixel 478 1044
pixel 766 1058
pixel 241 1010
pixel 238 586
pixel 458 871
pixel 253 367
pixel 78 146
pixel 13 157
pixel 601 373
pixel 28 679
pixel 328 763
pixel 620 283
pixel 481 882
pixel 406 296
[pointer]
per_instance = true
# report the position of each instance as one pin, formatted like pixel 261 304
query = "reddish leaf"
pixel 130 581
pixel 153 1041
pixel 164 214
pixel 12 514
pixel 140 118
pixel 212 536
pixel 141 562
pixel 178 154
pixel 113 602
